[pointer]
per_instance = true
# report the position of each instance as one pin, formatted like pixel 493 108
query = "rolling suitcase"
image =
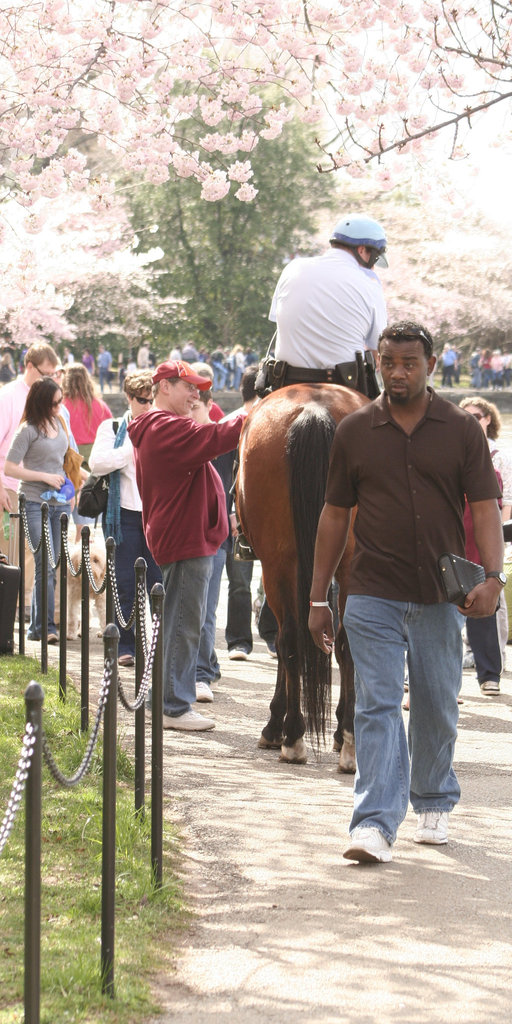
pixel 9 589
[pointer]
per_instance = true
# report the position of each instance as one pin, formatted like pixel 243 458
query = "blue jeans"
pixel 219 376
pixel 34 526
pixel 238 622
pixel 208 668
pixel 132 546
pixel 484 641
pixel 105 378
pixel 186 587
pixel 381 635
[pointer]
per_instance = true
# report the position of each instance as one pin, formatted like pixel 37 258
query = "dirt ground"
pixel 284 928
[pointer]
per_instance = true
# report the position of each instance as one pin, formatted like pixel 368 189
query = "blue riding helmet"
pixel 358 230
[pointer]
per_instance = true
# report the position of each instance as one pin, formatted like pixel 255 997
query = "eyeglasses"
pixel 56 373
pixel 478 415
pixel 55 405
pixel 142 401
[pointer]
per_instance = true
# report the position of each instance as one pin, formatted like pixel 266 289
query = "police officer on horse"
pixel 330 311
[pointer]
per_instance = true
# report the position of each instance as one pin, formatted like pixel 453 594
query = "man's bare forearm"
pixel 331 539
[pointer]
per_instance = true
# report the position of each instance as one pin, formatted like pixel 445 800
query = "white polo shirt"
pixel 326 308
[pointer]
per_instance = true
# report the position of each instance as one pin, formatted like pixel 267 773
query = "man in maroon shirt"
pixel 185 521
pixel 406 461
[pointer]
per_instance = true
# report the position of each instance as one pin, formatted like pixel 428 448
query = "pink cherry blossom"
pixel 130 71
pixel 246 193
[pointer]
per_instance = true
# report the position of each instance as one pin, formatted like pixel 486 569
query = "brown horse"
pixel 284 458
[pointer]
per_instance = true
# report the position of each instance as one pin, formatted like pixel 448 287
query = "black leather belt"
pixel 329 375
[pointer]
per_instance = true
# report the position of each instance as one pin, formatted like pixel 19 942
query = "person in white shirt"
pixel 112 452
pixel 330 309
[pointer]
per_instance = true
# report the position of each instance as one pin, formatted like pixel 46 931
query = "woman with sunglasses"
pixel 112 453
pixel 36 459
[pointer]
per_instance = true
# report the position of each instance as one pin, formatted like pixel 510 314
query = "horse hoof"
pixel 297 754
pixel 347 767
pixel 266 744
pixel 347 761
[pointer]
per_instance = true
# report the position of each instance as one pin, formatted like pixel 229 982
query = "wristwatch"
pixel 500 576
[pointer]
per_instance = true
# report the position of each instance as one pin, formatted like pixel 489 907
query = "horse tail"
pixel 308 446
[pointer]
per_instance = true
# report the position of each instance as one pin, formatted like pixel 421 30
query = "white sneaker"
pixel 204 694
pixel 368 844
pixel 191 721
pixel 237 654
pixel 490 688
pixel 432 828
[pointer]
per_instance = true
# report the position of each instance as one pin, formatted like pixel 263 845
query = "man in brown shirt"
pixel 406 460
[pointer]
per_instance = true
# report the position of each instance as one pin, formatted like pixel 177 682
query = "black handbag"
pixel 459 576
pixel 93 499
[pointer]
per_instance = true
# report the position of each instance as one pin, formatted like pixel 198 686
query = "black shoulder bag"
pixel 93 499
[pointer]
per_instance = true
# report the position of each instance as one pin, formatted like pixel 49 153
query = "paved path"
pixel 284 928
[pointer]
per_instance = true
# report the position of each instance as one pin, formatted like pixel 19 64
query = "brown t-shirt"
pixel 409 492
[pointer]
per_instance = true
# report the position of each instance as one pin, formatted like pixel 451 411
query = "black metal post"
pixel 63 649
pixel 84 643
pixel 44 590
pixel 140 624
pixel 34 698
pixel 157 745
pixel 21 562
pixel 110 545
pixel 111 643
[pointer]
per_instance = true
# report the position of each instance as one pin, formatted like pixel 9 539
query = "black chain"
pixel 86 760
pixel 87 559
pixel 18 786
pixel 72 570
pixel 146 678
pixel 34 549
pixel 46 530
pixel 124 623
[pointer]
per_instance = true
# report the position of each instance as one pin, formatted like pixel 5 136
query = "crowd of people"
pixel 486 368
pixel 55 404
pixel 170 459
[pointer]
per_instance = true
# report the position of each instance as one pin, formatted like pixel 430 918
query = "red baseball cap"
pixel 177 368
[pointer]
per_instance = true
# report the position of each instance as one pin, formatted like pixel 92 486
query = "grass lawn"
pixel 146 921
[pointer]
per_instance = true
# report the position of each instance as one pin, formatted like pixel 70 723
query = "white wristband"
pixel 319 604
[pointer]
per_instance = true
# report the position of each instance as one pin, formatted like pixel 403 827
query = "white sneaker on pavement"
pixel 204 694
pixel 237 654
pixel 432 828
pixel 368 844
pixel 191 721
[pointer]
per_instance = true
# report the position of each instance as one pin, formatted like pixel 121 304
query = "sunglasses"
pixel 142 401
pixel 56 373
pixel 409 334
pixel 478 415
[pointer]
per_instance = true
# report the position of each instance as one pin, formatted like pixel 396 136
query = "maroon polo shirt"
pixel 409 492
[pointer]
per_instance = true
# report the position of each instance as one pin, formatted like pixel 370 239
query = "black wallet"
pixel 459 576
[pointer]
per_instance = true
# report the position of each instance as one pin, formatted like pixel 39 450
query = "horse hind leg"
pixel 285 728
pixel 293 748
pixel 344 735
pixel 272 734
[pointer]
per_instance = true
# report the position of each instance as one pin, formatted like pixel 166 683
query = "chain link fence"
pixel 35 747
